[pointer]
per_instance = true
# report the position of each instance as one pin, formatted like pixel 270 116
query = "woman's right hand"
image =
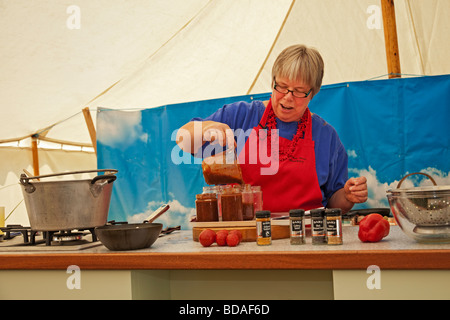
pixel 194 134
pixel 217 132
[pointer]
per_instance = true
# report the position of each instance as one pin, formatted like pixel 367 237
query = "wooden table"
pixel 176 267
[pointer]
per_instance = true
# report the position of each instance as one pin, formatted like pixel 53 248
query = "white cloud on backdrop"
pixel 177 215
pixel 116 132
pixel 352 154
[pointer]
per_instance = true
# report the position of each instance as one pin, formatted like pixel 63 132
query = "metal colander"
pixel 422 206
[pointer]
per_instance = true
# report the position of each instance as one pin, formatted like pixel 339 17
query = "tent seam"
pixel 415 36
pixel 271 48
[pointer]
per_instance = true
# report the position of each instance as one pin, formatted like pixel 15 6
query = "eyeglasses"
pixel 295 93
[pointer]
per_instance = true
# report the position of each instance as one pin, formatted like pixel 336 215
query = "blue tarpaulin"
pixel 388 127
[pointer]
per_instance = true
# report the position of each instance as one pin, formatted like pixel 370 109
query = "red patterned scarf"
pixel 287 153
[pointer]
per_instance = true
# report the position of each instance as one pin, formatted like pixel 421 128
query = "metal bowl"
pixel 423 213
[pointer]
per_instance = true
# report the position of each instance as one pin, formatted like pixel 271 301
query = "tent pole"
pixel 91 128
pixel 390 38
pixel 34 152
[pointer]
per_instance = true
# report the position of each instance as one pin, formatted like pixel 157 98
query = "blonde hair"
pixel 300 63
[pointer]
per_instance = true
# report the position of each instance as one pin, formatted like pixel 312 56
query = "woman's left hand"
pixel 356 190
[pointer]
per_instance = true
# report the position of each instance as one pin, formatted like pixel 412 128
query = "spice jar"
pixel 248 209
pixel 206 206
pixel 297 226
pixel 257 198
pixel 263 228
pixel 334 226
pixel 318 226
pixel 231 203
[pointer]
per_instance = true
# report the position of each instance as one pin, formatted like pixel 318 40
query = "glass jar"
pixel 219 190
pixel 297 226
pixel 263 228
pixel 206 206
pixel 257 198
pixel 231 204
pixel 248 208
pixel 318 226
pixel 334 226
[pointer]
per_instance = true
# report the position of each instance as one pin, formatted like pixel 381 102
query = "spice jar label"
pixel 264 229
pixel 317 227
pixel 296 228
pixel 333 228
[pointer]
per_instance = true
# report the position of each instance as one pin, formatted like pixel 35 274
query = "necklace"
pixel 288 152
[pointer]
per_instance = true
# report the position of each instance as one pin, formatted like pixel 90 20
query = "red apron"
pixel 287 183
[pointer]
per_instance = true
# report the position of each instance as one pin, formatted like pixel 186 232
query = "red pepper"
pixel 373 228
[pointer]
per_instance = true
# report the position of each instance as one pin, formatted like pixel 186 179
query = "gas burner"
pixel 35 237
pixel 12 230
pixel 22 239
pixel 64 236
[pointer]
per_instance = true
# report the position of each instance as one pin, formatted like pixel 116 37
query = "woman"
pixel 310 168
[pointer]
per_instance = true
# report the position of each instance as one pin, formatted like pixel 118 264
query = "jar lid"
pixel 227 189
pixel 317 212
pixel 204 196
pixel 262 214
pixel 296 213
pixel 334 212
pixel 209 189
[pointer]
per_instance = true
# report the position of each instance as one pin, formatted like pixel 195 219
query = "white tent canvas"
pixel 58 57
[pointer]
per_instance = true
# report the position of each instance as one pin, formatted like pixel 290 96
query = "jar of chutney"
pixel 206 206
pixel 231 204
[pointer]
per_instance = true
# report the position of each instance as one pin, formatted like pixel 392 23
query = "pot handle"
pixel 108 177
pixel 426 175
pixel 97 188
pixel 25 181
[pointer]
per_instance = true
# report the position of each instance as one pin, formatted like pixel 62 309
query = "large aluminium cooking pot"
pixel 68 204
